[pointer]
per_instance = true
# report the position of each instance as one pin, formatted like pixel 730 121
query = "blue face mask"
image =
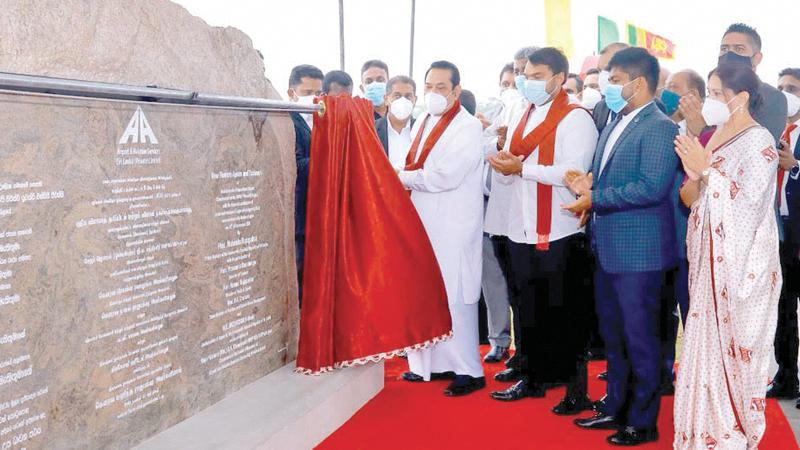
pixel 536 92
pixel 375 92
pixel 670 100
pixel 519 81
pixel 614 98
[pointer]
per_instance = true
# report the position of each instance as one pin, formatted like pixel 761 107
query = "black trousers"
pixel 596 345
pixel 300 246
pixel 553 310
pixel 674 295
pixel 500 247
pixel 786 344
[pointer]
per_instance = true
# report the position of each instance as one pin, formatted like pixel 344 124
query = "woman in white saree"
pixel 734 271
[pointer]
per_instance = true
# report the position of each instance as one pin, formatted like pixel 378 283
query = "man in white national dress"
pixel 548 253
pixel 443 172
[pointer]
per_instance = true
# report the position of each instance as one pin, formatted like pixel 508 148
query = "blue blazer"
pixel 633 224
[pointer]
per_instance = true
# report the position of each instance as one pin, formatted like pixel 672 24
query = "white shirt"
pixel 448 197
pixel 793 136
pixel 399 144
pixel 576 139
pixel 489 138
pixel 617 132
pixel 496 219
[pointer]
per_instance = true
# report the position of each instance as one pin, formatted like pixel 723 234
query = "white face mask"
pixel 591 97
pixel 716 113
pixel 436 103
pixel 306 100
pixel 792 104
pixel 510 96
pixel 401 108
pixel 602 79
pixel 573 99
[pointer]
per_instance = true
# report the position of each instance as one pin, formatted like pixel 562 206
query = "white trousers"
pixel 459 354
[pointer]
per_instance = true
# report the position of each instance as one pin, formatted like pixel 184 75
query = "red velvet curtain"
pixel 371 283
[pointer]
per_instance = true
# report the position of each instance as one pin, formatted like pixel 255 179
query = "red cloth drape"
pixel 371 283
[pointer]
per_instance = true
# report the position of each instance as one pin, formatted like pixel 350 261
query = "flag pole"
pixel 341 35
pixel 411 51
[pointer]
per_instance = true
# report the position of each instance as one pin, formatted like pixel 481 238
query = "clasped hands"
pixel 690 108
pixel 580 184
pixel 577 181
pixel 694 157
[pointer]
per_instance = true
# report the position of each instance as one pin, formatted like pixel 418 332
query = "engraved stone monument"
pixel 146 250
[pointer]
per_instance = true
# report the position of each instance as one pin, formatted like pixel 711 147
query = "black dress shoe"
pixel 596 354
pixel 513 361
pixel 443 376
pixel 633 436
pixel 603 376
pixel 782 391
pixel 571 405
pixel 521 389
pixel 508 375
pixel 599 404
pixel 599 421
pixel 414 378
pixel 496 354
pixel 464 384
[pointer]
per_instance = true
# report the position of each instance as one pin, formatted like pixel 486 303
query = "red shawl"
pixel 544 137
pixel 433 137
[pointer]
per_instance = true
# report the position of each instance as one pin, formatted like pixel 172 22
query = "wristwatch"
pixel 794 172
pixel 705 173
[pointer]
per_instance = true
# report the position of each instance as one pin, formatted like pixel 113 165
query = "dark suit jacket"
pixel 382 127
pixel 633 224
pixel 792 229
pixel 302 153
pixel 771 114
pixel 600 115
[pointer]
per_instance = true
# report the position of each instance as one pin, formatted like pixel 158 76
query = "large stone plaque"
pixel 146 265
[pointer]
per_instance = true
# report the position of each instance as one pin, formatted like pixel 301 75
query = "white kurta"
pixel 496 222
pixel 448 195
pixel 576 139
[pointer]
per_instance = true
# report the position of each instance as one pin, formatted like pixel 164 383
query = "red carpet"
pixel 418 416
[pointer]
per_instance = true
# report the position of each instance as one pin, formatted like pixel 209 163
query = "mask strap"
pixel 634 94
pixel 738 108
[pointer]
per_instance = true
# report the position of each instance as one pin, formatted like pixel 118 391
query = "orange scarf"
pixel 436 133
pixel 544 137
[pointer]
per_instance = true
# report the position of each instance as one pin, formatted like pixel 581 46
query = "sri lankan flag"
pixel 659 46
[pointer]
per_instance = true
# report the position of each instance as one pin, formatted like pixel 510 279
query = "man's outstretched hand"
pixel 506 163
pixel 578 182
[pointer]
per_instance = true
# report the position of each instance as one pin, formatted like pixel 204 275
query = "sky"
pixel 480 36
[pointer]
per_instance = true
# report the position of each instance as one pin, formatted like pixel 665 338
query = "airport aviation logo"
pixel 138 145
pixel 138 129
